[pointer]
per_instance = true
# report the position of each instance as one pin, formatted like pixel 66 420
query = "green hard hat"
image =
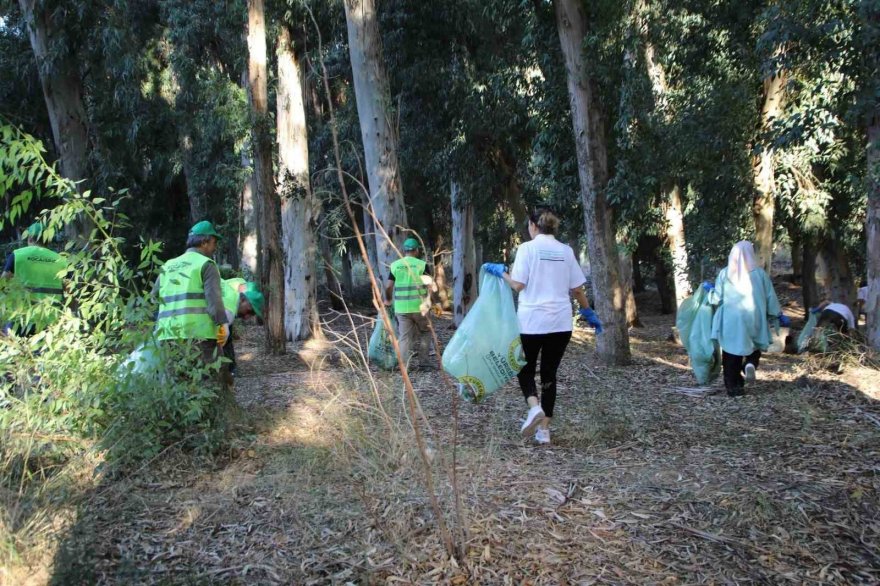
pixel 33 231
pixel 410 244
pixel 204 228
pixel 256 299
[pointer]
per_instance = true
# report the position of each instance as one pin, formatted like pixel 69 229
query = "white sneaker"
pixel 542 436
pixel 534 417
pixel 750 373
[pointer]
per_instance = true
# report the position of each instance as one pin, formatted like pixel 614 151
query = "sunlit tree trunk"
pixel 270 254
pixel 626 277
pixel 677 246
pixel 247 215
pixel 63 92
pixel 299 207
pixel 589 134
pixel 440 279
pixel 464 258
pixel 872 226
pixel 764 204
pixel 376 115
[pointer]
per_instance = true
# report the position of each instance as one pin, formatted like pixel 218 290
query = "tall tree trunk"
pixel 270 255
pixel 797 256
pixel 248 214
pixel 626 277
pixel 336 295
pixel 810 288
pixel 299 207
pixel 464 257
pixel 347 280
pixel 198 209
pixel 677 246
pixel 375 114
pixel 440 280
pixel 63 93
pixel 872 226
pixel 841 283
pixel 764 204
pixel 371 237
pixel 589 134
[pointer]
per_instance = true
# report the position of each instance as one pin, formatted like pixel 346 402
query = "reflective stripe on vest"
pixel 183 309
pixel 409 291
pixel 37 268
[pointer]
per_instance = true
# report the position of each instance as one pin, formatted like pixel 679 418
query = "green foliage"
pixel 66 382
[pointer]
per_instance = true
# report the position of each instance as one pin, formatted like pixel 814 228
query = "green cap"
pixel 33 231
pixel 256 299
pixel 204 228
pixel 410 244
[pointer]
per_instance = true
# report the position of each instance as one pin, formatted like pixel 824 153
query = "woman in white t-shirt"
pixel 547 275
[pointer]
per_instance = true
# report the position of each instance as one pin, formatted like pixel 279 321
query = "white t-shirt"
pixel 549 271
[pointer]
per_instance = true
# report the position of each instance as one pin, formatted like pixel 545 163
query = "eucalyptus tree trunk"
pixel 336 293
pixel 299 207
pixel 872 225
pixel 589 135
pixel 63 93
pixel 809 287
pixel 247 213
pixel 375 114
pixel 841 283
pixel 270 254
pixel 626 277
pixel 440 275
pixel 764 204
pixel 198 209
pixel 347 279
pixel 464 257
pixel 677 247
pixel 797 256
pixel 673 209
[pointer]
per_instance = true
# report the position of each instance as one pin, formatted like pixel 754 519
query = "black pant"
pixel 733 369
pixel 551 347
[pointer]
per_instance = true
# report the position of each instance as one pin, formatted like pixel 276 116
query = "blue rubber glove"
pixel 496 269
pixel 708 287
pixel 591 318
pixel 784 320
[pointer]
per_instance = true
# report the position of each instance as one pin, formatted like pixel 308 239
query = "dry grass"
pixel 641 485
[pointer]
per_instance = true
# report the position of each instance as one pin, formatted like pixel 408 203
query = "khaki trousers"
pixel 413 329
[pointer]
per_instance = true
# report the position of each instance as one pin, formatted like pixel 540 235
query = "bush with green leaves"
pixel 72 383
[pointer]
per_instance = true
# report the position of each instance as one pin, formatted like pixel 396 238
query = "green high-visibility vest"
pixel 231 294
pixel 183 309
pixel 37 268
pixel 409 291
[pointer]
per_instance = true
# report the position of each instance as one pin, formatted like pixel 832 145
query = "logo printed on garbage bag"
pixel 515 354
pixel 471 389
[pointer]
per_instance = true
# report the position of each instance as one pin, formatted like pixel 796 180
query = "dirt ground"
pixel 642 484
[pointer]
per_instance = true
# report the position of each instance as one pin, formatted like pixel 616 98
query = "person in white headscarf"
pixel 746 304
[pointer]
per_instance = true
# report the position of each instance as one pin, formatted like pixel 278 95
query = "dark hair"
pixel 196 240
pixel 545 219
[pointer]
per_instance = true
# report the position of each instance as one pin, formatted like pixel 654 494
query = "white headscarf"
pixel 740 263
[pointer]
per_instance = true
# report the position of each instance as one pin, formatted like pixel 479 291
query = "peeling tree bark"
pixel 270 254
pixel 63 93
pixel 464 257
pixel 375 115
pixel 872 226
pixel 765 184
pixel 299 207
pixel 608 292
pixel 248 214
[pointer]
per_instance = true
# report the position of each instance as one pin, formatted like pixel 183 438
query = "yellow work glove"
pixel 222 334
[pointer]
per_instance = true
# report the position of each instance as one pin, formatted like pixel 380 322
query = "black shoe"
pixel 737 392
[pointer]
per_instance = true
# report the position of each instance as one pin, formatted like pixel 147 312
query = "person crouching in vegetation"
pixel 746 302
pixel 546 275
pixel 191 297
pixel 39 271
pixel 241 299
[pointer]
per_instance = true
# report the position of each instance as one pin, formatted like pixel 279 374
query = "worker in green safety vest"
pixel 191 296
pixel 240 299
pixel 408 291
pixel 39 270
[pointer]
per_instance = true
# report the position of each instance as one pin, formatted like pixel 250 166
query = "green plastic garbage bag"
pixel 810 337
pixel 486 350
pixel 694 323
pixel 380 350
